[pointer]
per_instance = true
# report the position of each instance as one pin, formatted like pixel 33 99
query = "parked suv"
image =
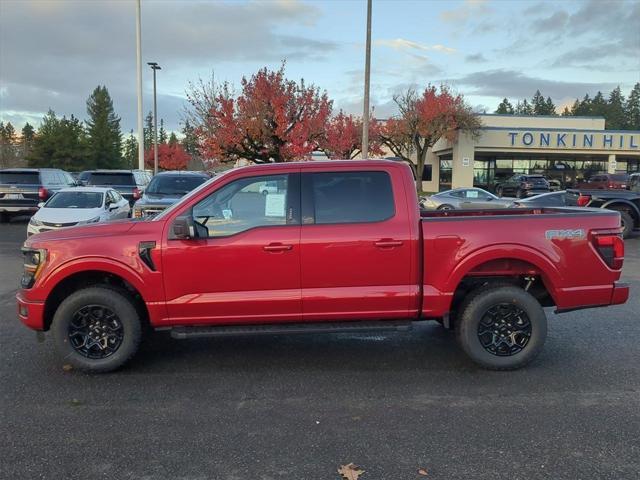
pixel 605 181
pixel 165 189
pixel 21 189
pixel 522 186
pixel 128 183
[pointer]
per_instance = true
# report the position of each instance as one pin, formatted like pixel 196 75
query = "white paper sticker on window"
pixel 472 194
pixel 274 205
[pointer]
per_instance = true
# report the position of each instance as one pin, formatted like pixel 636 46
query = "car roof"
pixel 26 170
pixel 106 170
pixel 181 172
pixel 86 189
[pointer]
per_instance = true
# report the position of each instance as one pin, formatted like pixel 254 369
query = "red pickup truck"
pixel 336 246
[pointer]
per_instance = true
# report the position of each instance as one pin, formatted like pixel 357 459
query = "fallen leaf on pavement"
pixel 422 472
pixel 67 368
pixel 350 472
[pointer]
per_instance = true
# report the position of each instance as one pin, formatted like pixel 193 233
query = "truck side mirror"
pixel 182 228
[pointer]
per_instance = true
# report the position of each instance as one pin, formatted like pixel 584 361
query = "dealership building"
pixel 569 149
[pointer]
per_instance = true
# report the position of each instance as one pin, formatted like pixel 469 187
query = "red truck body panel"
pixel 404 267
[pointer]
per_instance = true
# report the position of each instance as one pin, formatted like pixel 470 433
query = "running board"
pixel 291 328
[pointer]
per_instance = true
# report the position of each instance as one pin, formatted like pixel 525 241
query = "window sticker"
pixel 227 214
pixel 274 205
pixel 472 194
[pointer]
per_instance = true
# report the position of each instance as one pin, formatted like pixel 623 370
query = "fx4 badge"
pixel 568 233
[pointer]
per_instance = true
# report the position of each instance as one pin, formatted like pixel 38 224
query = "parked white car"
pixel 78 206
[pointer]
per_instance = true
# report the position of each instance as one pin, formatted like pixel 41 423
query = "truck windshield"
pixel 20 178
pixel 75 200
pixel 174 184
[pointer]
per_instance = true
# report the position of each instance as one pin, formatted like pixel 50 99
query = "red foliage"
pixel 343 137
pixel 170 157
pixel 272 120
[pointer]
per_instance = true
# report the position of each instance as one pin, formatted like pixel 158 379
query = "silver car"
pixel 464 198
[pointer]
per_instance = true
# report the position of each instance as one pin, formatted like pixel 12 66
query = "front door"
pixel 355 246
pixel 245 265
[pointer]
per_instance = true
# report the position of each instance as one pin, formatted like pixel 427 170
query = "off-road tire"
pixel 111 298
pixel 627 223
pixel 474 307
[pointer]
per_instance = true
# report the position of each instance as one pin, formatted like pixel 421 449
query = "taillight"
pixel 610 246
pixel 583 200
pixel 136 193
pixel 611 185
pixel 43 193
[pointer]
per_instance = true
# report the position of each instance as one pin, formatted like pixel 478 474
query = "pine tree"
pixel 7 145
pixel 550 108
pixel 162 133
pixel 173 140
pixel 599 105
pixel 59 143
pixel 585 107
pixel 26 139
pixel 148 131
pixel 632 108
pixel 566 112
pixel 615 115
pixel 524 108
pixel 190 140
pixel 103 129
pixel 505 107
pixel 131 151
pixel 575 108
pixel 538 104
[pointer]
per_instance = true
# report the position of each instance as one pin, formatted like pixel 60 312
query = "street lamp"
pixel 367 76
pixel 154 66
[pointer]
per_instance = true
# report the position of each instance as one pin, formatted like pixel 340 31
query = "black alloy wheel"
pixel 95 331
pixel 504 330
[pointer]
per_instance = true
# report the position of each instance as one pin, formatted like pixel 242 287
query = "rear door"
pixel 355 246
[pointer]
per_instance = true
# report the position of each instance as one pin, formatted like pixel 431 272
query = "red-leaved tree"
pixel 343 137
pixel 424 119
pixel 272 120
pixel 170 157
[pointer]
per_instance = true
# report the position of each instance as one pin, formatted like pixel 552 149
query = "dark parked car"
pixel 165 189
pixel 521 185
pixel 606 181
pixel 21 189
pixel 128 183
pixel 552 199
pixel 623 201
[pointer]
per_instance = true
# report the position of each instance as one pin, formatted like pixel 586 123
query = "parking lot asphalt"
pixel 299 407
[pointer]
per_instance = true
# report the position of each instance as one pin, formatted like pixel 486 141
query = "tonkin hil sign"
pixel 578 140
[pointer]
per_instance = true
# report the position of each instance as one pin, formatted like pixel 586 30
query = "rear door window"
pixel 347 197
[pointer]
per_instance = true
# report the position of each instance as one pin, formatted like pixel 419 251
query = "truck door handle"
pixel 277 247
pixel 388 243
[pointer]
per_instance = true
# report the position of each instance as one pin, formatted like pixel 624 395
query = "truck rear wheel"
pixel 501 327
pixel 626 222
pixel 96 329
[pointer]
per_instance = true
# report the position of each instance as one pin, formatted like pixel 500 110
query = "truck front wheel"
pixel 96 329
pixel 501 327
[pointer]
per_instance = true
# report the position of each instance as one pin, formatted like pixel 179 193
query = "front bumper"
pixel 30 313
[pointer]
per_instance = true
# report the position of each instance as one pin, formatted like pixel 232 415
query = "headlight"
pixel 33 262
pixel 91 220
pixel 35 222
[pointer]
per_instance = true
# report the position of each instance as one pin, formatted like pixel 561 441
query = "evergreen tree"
pixel 190 140
pixel 103 129
pixel 615 115
pixel 575 108
pixel 131 151
pixel 148 131
pixel 26 139
pixel 566 112
pixel 599 105
pixel 505 108
pixel 550 108
pixel 173 140
pixel 59 143
pixel 538 104
pixel 632 109
pixel 162 133
pixel 585 108
pixel 7 145
pixel 525 108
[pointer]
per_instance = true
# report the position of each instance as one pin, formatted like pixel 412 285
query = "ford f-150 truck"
pixel 337 246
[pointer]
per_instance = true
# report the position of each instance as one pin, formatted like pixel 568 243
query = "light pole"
pixel 367 75
pixel 139 86
pixel 154 66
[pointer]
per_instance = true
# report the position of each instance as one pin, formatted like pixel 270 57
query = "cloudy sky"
pixel 53 53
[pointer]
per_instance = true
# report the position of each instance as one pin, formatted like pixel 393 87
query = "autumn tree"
pixel 170 157
pixel 343 137
pixel 273 119
pixel 424 119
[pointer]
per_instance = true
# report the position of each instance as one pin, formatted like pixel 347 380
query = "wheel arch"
pixel 631 207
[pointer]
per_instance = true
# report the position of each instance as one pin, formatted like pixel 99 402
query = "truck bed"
pixel 553 245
